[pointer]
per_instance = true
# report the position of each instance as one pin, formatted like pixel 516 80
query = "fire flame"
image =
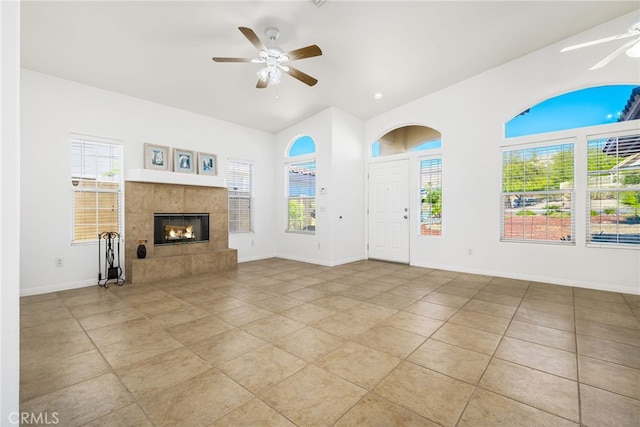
pixel 182 233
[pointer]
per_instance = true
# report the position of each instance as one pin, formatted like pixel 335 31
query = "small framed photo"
pixel 183 160
pixel 156 157
pixel 207 164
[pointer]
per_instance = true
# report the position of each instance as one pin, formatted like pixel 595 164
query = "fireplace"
pixel 173 229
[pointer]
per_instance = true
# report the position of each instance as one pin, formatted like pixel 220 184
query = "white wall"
pixel 471 116
pixel 347 191
pixel 314 248
pixel 340 171
pixel 9 210
pixel 53 108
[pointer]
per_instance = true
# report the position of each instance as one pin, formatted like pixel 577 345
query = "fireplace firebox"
pixel 172 229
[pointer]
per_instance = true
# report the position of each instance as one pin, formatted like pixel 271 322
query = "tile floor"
pixel 278 342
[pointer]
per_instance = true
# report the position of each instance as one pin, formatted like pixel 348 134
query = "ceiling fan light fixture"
pixel 271 74
pixel 634 51
pixel 263 74
pixel 274 76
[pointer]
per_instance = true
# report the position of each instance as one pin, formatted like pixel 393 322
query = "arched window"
pixel 301 146
pixel 581 108
pixel 301 186
pixel 539 201
pixel 406 139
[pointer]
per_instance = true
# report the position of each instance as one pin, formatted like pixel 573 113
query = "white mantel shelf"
pixel 165 177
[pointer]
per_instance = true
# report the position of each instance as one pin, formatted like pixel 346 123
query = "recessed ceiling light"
pixel 377 96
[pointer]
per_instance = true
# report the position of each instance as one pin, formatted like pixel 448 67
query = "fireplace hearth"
pixel 173 229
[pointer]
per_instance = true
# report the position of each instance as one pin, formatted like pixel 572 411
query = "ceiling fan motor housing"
pixel 272 34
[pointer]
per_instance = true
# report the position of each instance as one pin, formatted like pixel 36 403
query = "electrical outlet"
pixel 469 251
pixel 58 262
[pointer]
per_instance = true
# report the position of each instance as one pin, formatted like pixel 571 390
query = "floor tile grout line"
pixel 368 391
pixel 118 376
pixel 477 385
pixel 578 376
pixel 205 361
pixel 503 334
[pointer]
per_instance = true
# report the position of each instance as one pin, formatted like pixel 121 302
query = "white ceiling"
pixel 161 50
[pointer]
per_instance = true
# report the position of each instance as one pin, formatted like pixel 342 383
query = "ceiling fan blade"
pixel 604 40
pixel 251 36
pixel 612 55
pixel 262 84
pixel 297 74
pixel 304 52
pixel 232 59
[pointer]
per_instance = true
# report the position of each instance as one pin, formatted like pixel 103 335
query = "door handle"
pixel 405 217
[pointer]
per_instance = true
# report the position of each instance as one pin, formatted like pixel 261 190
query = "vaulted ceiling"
pixel 161 50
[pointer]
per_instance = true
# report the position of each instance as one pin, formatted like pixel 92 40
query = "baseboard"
pixel 320 262
pixel 58 287
pixel 347 261
pixel 255 258
pixel 307 260
pixel 534 278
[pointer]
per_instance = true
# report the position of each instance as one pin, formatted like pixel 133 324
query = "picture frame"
pixel 184 160
pixel 156 157
pixel 207 164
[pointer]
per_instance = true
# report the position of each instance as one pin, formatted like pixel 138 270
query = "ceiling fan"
pixel 632 47
pixel 275 60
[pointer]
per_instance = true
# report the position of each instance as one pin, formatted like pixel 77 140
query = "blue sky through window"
pixel 428 145
pixel 303 145
pixel 581 108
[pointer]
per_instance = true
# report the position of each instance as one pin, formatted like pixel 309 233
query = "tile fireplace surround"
pixel 143 199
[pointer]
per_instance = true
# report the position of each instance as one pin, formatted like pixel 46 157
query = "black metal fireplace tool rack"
pixel 112 272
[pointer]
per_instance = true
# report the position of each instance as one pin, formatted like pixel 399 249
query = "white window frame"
pixel 549 208
pixel 240 194
pixel 85 170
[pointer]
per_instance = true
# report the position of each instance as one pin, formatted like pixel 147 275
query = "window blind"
pixel 301 197
pixel 239 183
pixel 431 197
pixel 96 181
pixel 613 189
pixel 537 193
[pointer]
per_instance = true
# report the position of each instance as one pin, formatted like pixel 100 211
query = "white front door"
pixel 389 211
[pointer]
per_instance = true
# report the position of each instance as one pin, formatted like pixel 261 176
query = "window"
pixel 431 145
pixel 302 146
pixel 301 186
pixel 613 189
pixel 537 194
pixel 96 180
pixel 431 197
pixel 581 108
pixel 406 139
pixel 302 196
pixel 240 188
